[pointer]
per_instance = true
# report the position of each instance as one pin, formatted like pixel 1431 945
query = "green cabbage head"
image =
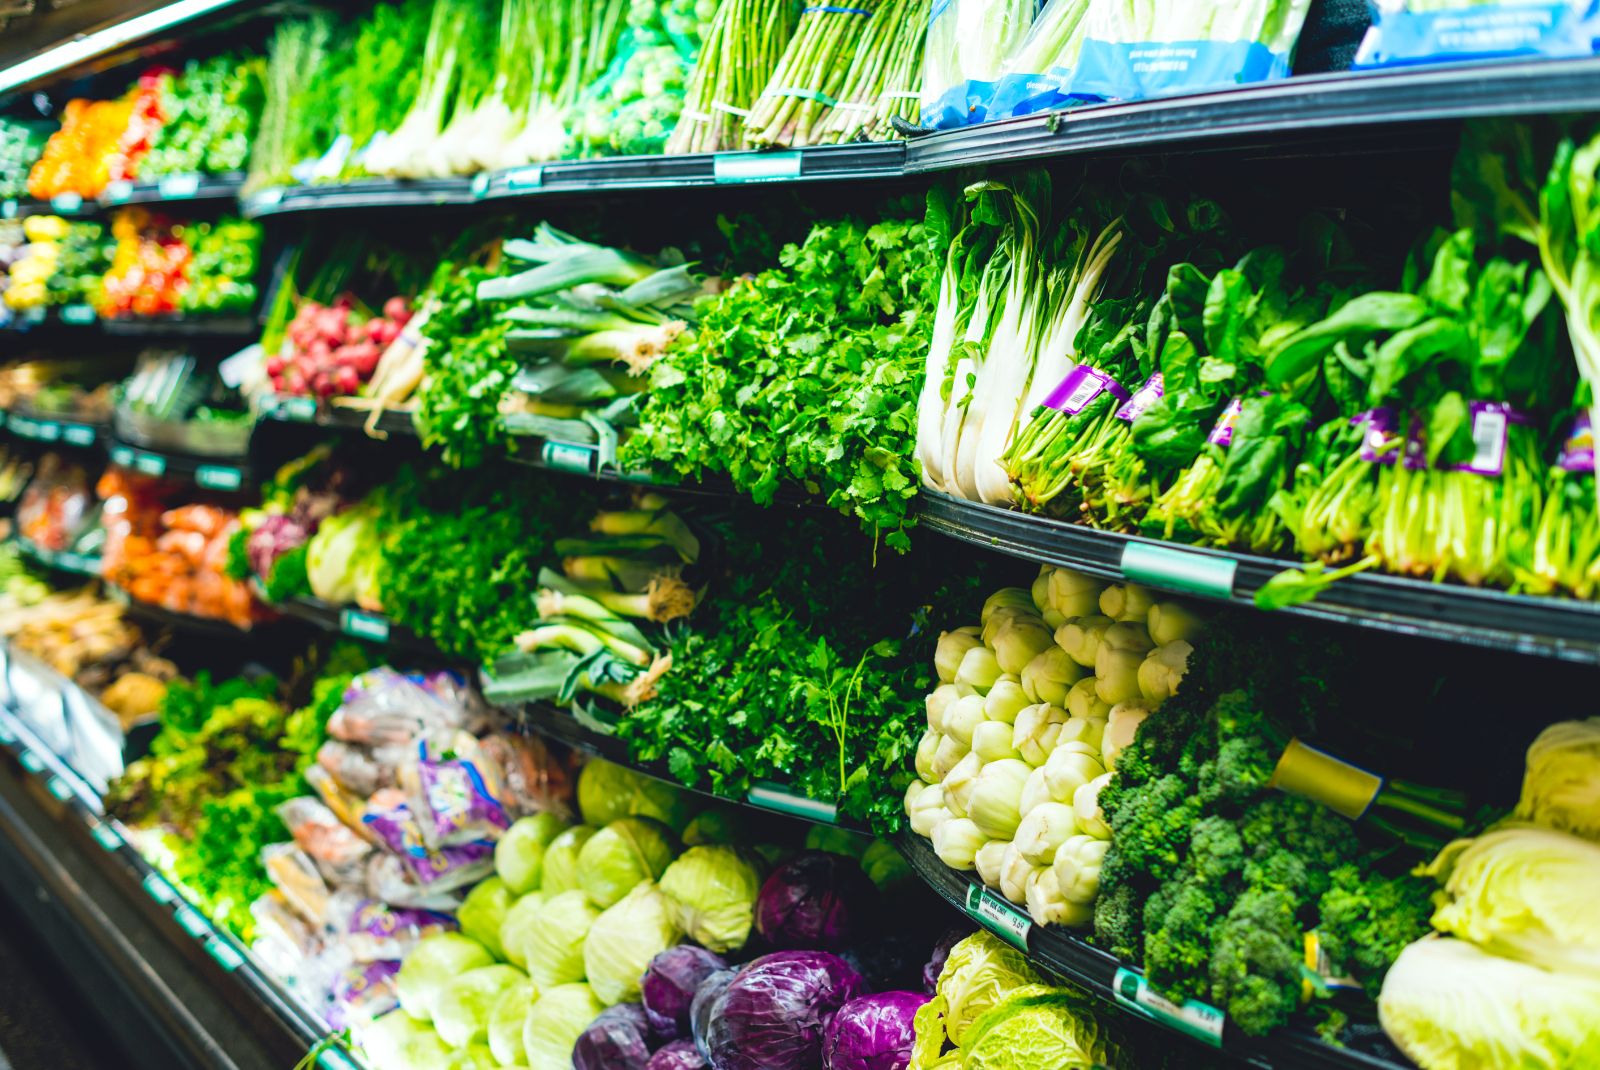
pixel 434 962
pixel 1525 893
pixel 482 912
pixel 1448 1004
pixel 461 1013
pixel 619 856
pixel 979 973
pixel 552 942
pixel 1036 1026
pixel 607 791
pixel 713 895
pixel 555 1022
pixel 624 939
pixel 1561 789
pixel 561 860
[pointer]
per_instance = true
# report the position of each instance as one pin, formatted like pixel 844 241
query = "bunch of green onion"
pixel 740 51
pixel 810 77
pixel 885 78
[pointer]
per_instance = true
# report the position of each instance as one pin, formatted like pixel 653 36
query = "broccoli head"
pixel 1177 945
pixel 1216 850
pixel 1368 918
pixel 1118 919
pixel 1256 961
pixel 1243 767
pixel 1151 826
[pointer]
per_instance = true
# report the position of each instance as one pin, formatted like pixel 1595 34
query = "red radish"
pixel 396 308
pixel 348 381
pixel 295 381
pixel 274 366
pixel 368 363
pixel 391 331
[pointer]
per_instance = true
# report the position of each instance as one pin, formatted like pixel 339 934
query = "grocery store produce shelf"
pixel 208 473
pixel 1057 952
pixel 558 724
pixel 174 990
pixel 1549 627
pixel 379 193
pixel 60 560
pixel 50 429
pixel 172 189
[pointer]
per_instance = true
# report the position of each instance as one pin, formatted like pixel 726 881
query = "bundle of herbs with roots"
pixel 737 57
pixel 601 628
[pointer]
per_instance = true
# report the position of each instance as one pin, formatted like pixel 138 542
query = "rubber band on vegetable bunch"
pixel 741 49
pixel 885 76
pixel 808 81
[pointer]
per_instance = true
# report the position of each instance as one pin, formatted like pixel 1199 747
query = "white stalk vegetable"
pixel 952 647
pixel 1083 700
pixel 1035 790
pixel 1019 640
pixel 1086 806
pixel 1162 671
pixel 962 716
pixel 1077 868
pixel 1126 602
pixel 928 811
pixel 1050 676
pixel 1074 594
pixel 956 841
pixel 1080 638
pixel 1005 700
pixel 946 755
pixel 1170 621
pixel 1122 724
pixel 958 784
pixel 988 861
pixel 938 701
pixel 1037 730
pixel 991 741
pixel 997 797
pixel 926 749
pixel 979 670
pixel 1042 830
pixel 1069 769
pixel 1015 598
pixel 1014 873
pixel 1048 904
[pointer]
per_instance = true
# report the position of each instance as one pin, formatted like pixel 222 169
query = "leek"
pixel 669 527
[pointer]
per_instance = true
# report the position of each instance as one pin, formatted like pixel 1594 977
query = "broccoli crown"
pixel 1177 945
pixel 1151 827
pixel 1242 768
pixel 1367 918
pixel 1216 850
pixel 1118 918
pixel 1256 961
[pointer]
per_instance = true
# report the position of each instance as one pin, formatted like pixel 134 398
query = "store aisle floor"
pixel 43 1022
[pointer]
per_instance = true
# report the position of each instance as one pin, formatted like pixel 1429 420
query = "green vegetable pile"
pixel 1213 878
pixel 83 259
pixel 226 756
pixel 462 553
pixel 807 374
pixel 468 371
pixel 794 671
pixel 212 109
pixel 222 272
pixel 21 144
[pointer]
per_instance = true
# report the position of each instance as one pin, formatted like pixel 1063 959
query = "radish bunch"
pixel 333 349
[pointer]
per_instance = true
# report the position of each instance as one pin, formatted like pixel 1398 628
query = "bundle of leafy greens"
pixel 807 374
pixel 797 669
pixel 462 554
pixel 296 120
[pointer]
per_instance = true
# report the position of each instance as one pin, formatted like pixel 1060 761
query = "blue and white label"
pixel 1401 38
pixel 1110 70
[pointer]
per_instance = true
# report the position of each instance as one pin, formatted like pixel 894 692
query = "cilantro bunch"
pixel 807 374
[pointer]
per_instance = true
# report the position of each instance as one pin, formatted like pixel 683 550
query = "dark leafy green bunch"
pixel 468 371
pixel 804 667
pixel 462 553
pixel 212 109
pixel 807 375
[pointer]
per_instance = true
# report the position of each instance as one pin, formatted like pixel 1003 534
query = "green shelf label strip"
pixel 360 625
pixel 1196 1019
pixel 59 788
pixel 739 167
pixel 219 477
pixel 105 835
pixel 158 889
pixel 225 953
pixel 773 797
pixel 998 916
pixel 1179 570
pixel 569 457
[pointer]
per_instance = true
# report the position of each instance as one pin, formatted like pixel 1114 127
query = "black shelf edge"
pixel 67 205
pixel 1293 109
pixel 304 410
pixel 186 622
pixel 378 193
pixel 1566 629
pixel 1055 951
pixel 360 624
pixel 224 474
pixel 73 564
pixel 243 980
pixel 174 190
pixel 181 326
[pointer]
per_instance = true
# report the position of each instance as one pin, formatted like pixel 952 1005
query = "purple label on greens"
pixel 460 803
pixel 1222 434
pixel 1577 452
pixel 373 918
pixel 1146 396
pixel 1380 434
pixel 1081 386
pixel 1491 422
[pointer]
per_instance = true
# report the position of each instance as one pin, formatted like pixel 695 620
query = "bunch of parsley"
pixel 808 375
pixel 468 371
pixel 806 667
pixel 462 553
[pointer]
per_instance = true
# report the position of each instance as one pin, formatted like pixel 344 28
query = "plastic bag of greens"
pixel 969 42
pixel 1178 46
pixel 1039 75
pixel 1406 32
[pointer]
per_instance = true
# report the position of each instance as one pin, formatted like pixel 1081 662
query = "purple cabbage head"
pixel 670 983
pixel 775 1012
pixel 617 1040
pixel 272 538
pixel 814 900
pixel 679 1055
pixel 704 1005
pixel 936 961
pixel 872 1033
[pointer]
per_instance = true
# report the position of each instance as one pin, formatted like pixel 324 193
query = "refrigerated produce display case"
pixel 750 535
